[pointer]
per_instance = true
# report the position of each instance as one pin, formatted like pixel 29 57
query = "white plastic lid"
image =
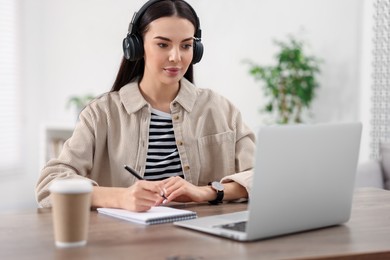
pixel 71 186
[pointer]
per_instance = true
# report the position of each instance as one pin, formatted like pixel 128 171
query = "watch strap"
pixel 219 198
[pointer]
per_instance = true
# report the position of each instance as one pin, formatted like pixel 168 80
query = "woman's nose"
pixel 174 55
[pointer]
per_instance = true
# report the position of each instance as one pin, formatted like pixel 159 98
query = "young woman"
pixel 189 144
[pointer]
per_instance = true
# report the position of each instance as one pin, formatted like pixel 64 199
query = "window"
pixel 9 89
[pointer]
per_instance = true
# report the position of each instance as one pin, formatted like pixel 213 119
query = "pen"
pixel 135 174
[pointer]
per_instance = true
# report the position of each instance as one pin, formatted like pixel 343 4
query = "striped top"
pixel 162 160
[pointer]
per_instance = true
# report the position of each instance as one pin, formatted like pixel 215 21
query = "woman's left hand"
pixel 179 190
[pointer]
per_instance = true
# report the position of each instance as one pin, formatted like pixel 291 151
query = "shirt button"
pixel 176 117
pixel 186 168
pixel 175 104
pixel 180 143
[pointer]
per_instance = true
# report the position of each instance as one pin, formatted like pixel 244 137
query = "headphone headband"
pixel 133 26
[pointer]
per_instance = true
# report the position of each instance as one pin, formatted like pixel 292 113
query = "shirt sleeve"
pixel 244 156
pixel 74 161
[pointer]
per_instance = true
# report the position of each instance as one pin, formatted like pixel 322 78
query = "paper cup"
pixel 71 202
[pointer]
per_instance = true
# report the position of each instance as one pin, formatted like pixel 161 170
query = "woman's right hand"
pixel 142 195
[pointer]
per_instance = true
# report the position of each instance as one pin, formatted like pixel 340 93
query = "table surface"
pixel 29 235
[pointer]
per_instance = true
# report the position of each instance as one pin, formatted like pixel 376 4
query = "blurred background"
pixel 52 50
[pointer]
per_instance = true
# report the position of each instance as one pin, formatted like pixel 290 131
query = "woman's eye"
pixel 187 46
pixel 162 45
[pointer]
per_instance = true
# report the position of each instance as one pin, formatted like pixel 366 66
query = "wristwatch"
pixel 218 187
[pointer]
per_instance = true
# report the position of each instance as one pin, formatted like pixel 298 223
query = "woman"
pixel 189 144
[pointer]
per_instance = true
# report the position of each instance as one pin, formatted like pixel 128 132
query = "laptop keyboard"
pixel 238 226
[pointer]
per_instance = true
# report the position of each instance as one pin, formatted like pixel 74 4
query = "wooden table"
pixel 29 235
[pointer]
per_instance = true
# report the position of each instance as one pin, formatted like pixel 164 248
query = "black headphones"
pixel 133 47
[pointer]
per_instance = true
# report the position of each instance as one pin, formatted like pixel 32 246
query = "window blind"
pixel 380 111
pixel 9 95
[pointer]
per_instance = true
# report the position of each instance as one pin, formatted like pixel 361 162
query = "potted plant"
pixel 291 83
pixel 79 102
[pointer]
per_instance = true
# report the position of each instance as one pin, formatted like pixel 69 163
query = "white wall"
pixel 74 47
pixel 332 28
pixel 82 49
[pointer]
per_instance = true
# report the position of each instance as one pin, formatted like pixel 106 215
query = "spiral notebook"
pixel 156 215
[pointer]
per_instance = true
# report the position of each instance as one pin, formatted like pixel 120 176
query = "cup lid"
pixel 71 186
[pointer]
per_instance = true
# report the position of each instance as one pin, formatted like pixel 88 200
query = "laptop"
pixel 303 179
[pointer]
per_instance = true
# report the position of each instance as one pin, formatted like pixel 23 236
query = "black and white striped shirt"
pixel 163 160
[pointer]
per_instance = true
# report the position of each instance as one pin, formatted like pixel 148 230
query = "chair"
pixel 375 173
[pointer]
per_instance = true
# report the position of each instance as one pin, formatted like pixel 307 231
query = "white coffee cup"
pixel 71 205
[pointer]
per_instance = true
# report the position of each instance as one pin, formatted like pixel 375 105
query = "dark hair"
pixel 130 71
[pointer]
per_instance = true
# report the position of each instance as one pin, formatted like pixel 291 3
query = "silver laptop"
pixel 303 179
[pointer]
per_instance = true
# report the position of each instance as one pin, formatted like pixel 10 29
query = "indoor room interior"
pixel 53 50
pixel 329 59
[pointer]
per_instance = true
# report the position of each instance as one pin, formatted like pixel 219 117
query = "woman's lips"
pixel 172 71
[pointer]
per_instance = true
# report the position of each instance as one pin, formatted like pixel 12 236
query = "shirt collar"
pixel 133 100
pixel 187 95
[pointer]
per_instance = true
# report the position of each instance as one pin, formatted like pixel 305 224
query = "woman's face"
pixel 168 45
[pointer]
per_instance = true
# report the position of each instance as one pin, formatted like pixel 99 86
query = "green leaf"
pixel 290 84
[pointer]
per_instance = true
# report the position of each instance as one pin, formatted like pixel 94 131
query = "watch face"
pixel 217 185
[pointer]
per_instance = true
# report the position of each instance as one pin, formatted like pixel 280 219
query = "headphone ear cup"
pixel 198 51
pixel 126 48
pixel 133 47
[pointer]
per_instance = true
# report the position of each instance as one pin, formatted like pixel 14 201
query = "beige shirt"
pixel 113 130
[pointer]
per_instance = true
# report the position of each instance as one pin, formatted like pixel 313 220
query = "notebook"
pixel 303 179
pixel 156 215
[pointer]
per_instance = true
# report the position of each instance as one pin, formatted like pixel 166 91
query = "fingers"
pixel 170 185
pixel 142 196
pixel 154 186
pixel 173 182
pixel 158 188
pixel 178 188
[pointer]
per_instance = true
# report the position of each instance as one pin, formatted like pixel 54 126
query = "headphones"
pixel 133 47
